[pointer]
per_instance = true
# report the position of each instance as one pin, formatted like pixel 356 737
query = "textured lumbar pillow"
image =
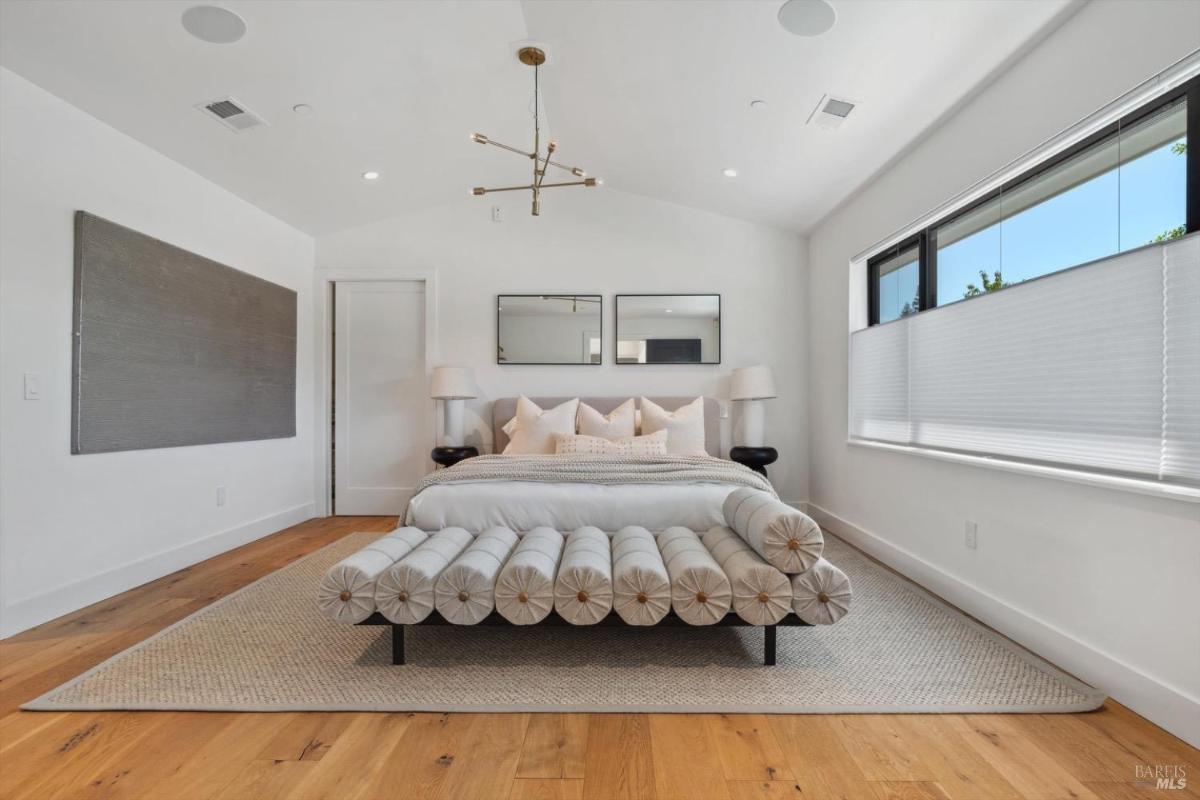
pixel 684 426
pixel 536 429
pixel 654 444
pixel 618 424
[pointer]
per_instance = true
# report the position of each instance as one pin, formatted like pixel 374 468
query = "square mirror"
pixel 549 328
pixel 668 329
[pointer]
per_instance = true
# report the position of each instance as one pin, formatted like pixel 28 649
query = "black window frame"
pixel 926 238
pixel 917 240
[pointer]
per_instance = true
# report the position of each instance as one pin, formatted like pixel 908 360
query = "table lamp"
pixel 452 385
pixel 752 385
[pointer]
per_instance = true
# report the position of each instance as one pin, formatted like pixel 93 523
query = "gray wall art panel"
pixel 174 349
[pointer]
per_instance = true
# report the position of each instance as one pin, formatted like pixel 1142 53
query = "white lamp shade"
pixel 752 383
pixel 453 383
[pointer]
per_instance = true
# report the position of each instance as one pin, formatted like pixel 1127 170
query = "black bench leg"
pixel 769 646
pixel 397 644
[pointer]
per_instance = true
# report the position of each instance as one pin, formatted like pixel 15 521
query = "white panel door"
pixel 383 421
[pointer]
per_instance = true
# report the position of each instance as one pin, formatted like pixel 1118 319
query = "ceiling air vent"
pixel 831 112
pixel 232 114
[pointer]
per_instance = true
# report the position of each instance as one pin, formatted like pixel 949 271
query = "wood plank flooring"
pixel 230 756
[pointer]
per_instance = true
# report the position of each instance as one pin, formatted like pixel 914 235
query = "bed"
pixel 525 505
pixel 639 500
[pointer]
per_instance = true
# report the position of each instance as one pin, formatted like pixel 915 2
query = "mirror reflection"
pixel 669 329
pixel 549 328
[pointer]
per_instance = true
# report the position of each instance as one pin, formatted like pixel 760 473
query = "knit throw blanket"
pixel 598 469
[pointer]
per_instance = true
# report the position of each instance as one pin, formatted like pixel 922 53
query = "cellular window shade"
pixel 1096 367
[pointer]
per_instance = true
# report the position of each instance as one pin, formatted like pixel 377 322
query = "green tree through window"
pixel 988 285
pixel 1179 149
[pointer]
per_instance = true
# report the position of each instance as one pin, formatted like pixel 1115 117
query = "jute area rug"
pixel 267 648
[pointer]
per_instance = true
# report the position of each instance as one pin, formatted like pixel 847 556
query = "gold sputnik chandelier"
pixel 535 57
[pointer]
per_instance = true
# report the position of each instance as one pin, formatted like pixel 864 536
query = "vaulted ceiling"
pixel 654 96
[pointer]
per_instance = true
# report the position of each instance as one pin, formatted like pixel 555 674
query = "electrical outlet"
pixel 220 495
pixel 972 538
pixel 33 387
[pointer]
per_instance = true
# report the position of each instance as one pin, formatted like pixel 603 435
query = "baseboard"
pixel 30 611
pixel 1165 705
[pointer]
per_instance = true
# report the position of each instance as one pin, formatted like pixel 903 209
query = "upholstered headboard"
pixel 504 408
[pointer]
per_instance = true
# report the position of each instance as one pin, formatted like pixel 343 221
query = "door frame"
pixel 324 280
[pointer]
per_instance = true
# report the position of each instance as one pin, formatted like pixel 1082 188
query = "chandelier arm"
pixel 573 170
pixel 588 182
pixel 508 189
pixel 510 149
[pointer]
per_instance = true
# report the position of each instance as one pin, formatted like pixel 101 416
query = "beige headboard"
pixel 504 408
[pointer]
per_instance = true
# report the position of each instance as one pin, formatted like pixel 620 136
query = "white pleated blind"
pixel 1181 361
pixel 1096 367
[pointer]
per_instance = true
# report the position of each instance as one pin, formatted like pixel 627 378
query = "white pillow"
pixel 684 426
pixel 535 430
pixel 619 424
pixel 578 445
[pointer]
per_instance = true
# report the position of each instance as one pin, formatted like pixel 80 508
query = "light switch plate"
pixel 972 535
pixel 33 387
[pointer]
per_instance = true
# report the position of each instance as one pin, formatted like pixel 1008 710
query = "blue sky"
pixel 1119 210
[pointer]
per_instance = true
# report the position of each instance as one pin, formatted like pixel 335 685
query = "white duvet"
pixel 525 505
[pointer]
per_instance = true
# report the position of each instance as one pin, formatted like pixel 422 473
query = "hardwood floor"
pixel 230 756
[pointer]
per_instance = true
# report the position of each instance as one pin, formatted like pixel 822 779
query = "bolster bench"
pixel 729 575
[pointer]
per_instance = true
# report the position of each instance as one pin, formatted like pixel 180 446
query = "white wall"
pixel 76 529
pixel 605 242
pixel 550 339
pixel 1102 582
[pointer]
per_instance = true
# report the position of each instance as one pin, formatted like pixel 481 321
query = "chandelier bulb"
pixel 577 172
pixel 478 191
pixel 479 137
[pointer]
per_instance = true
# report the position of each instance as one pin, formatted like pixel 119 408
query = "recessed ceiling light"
pixel 668 310
pixel 758 105
pixel 303 109
pixel 214 24
pixel 729 172
pixel 807 17
pixel 370 175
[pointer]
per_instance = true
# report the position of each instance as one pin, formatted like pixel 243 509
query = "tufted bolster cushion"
pixel 525 588
pixel 465 592
pixel 700 592
pixel 762 595
pixel 786 537
pixel 583 592
pixel 347 592
pixel 641 587
pixel 822 595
